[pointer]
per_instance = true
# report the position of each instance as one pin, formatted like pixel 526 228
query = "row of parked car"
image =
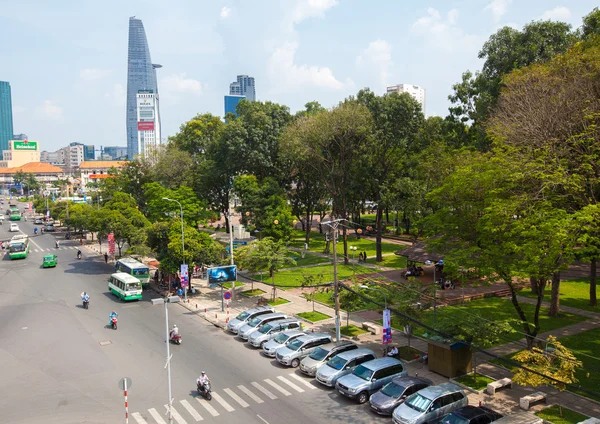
pixel 357 373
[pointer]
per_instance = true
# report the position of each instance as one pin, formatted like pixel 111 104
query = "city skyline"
pixel 298 52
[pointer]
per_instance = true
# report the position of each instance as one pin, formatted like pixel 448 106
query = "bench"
pixel 498 384
pixel 371 328
pixel 526 401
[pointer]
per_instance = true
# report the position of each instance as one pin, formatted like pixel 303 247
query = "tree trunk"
pixel 593 301
pixel 555 299
pixel 533 285
pixel 530 334
pixel 227 222
pixel 378 219
pixel 308 225
pixel 345 238
pixel 387 215
pixel 397 222
pixel 406 222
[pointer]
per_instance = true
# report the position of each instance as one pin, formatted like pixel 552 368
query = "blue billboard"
pixel 222 274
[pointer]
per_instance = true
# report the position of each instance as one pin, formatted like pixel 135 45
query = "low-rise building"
pixel 20 152
pixel 97 170
pixel 44 173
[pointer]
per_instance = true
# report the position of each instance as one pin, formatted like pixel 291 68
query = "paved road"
pixel 61 363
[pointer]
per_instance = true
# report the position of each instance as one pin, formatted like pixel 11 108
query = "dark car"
pixel 471 415
pixel 393 394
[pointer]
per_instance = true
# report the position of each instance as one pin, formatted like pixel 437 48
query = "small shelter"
pixel 449 359
pixel 417 253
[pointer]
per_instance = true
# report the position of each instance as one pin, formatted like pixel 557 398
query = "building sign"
pixel 25 145
pixel 145 126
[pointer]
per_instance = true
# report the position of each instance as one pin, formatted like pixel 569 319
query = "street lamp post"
pixel 182 239
pixel 334 227
pixel 168 299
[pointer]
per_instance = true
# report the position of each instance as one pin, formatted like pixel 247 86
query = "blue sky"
pixel 67 60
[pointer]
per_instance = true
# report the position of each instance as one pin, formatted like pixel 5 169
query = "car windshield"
pixel 294 344
pixel 418 402
pixel 281 338
pixel 140 271
pixel 254 321
pixel 363 372
pixel 393 390
pixel 17 247
pixel 453 419
pixel 319 354
pixel 243 316
pixel 132 286
pixel 336 363
pixel 265 328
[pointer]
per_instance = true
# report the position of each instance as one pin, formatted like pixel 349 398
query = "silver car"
pixel 293 352
pixel 322 354
pixel 252 325
pixel 235 324
pixel 266 332
pixel 430 404
pixel 342 364
pixel 280 340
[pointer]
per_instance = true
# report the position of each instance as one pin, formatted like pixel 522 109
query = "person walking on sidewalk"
pixel 105 257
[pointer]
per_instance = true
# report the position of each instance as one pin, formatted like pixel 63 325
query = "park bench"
pixel 591 421
pixel 371 327
pixel 526 401
pixel 498 384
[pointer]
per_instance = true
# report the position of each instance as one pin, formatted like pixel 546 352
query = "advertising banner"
pixel 222 274
pixel 111 244
pixel 25 145
pixel 145 126
pixel 184 275
pixel 387 326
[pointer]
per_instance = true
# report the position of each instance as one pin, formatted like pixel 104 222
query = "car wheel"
pixel 262 345
pixel 295 363
pixel 363 397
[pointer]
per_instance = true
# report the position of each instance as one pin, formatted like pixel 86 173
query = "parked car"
pixel 369 377
pixel 471 415
pixel 235 324
pixel 38 221
pixel 269 330
pixel 256 322
pixel 293 352
pixel 520 417
pixel 322 354
pixel 428 405
pixel 343 364
pixel 395 392
pixel 13 227
pixel 270 348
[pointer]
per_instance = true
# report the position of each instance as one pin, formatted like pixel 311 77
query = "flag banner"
pixel 111 243
pixel 387 326
pixel 184 275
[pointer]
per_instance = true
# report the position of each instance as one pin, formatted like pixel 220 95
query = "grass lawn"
pixel 553 415
pixel 313 316
pixel 293 277
pixel 228 285
pixel 255 292
pixel 309 259
pixel 408 353
pixel 494 308
pixel 478 383
pixel 394 261
pixel 352 330
pixel 278 301
pixel 317 244
pixel 574 293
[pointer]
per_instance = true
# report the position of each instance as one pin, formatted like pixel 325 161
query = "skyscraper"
pixel 231 103
pixel 244 86
pixel 6 119
pixel 141 75
pixel 418 93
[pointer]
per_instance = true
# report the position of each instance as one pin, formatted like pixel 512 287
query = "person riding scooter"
pixel 78 253
pixel 86 299
pixel 203 384
pixel 57 244
pixel 35 231
pixel 174 332
pixel 112 315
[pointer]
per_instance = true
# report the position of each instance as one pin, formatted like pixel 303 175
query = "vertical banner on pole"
pixel 184 275
pixel 111 244
pixel 387 327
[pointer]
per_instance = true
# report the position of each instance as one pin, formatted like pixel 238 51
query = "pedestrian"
pixel 105 257
pixel 365 256
pixel 360 257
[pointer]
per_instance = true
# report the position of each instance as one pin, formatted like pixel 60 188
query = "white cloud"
pixel 443 33
pixel 117 95
pixel 285 74
pixel 498 8
pixel 557 14
pixel 178 83
pixel 225 11
pixel 91 74
pixel 51 110
pixel 311 8
pixel 378 57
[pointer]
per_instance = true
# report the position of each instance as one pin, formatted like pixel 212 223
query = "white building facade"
pixel 148 121
pixel 418 93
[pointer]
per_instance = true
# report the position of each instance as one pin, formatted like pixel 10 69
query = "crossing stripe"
pixel 289 383
pixel 278 387
pixel 191 410
pixel 156 416
pixel 175 414
pixel 136 416
pixel 208 407
pixel 303 381
pixel 223 403
pixel 265 391
pixel 235 397
pixel 250 394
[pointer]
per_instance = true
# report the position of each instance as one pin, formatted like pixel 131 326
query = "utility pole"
pixel 229 215
pixel 334 224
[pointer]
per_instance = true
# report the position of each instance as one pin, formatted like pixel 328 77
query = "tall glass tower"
pixel 6 118
pixel 141 75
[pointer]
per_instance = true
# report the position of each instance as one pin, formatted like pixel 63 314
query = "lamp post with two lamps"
pixel 182 239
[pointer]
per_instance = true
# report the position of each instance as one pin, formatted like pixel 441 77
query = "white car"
pixel 13 227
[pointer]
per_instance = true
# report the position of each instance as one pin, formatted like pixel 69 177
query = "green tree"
pixel 312 281
pixel 350 300
pixel 591 24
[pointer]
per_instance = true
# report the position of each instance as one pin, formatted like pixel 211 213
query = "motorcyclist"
pixel 85 297
pixel 174 331
pixel 202 380
pixel 112 315
pixel 35 230
pixel 78 253
pixel 57 244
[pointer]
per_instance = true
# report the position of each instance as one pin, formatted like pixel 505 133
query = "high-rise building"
pixel 114 152
pixel 231 103
pixel 6 118
pixel 20 137
pixel 89 152
pixel 141 75
pixel 148 121
pixel 417 92
pixel 244 86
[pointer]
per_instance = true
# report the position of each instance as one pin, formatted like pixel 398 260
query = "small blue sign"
pixel 227 295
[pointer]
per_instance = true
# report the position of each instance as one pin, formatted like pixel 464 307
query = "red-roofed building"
pixel 43 172
pixel 98 169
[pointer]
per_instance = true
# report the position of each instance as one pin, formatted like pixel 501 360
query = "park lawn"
pixel 351 330
pixel 586 343
pixel 574 293
pixel 251 293
pixel 317 244
pixel 278 301
pixel 228 285
pixel 308 259
pixel 478 383
pixel 409 353
pixel 313 316
pixel 394 261
pixel 293 277
pixel 568 416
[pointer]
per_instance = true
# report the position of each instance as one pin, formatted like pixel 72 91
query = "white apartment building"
pixel 68 157
pixel 417 92
pixel 148 121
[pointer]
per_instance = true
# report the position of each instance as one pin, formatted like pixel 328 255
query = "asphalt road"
pixel 62 364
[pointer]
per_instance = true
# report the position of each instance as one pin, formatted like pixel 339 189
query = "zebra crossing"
pixel 227 400
pixel 54 249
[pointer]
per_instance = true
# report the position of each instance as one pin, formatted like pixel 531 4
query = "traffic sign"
pixel 227 295
pixel 122 383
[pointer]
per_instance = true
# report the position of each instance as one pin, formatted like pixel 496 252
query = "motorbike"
pixel 204 390
pixel 78 255
pixel 175 338
pixel 35 230
pixel 113 323
pixel 86 303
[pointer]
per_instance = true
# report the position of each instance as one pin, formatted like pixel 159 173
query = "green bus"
pixel 135 268
pixel 15 214
pixel 18 248
pixel 125 286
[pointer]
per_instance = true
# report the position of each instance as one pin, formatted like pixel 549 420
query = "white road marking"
pixel 208 407
pixel 235 397
pixel 265 421
pixel 175 414
pixel 265 391
pixel 278 387
pixel 156 416
pixel 292 385
pixel 250 394
pixel 191 410
pixel 224 404
pixel 303 381
pixel 136 416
